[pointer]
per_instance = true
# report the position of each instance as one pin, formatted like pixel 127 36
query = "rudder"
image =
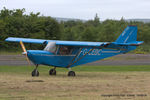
pixel 128 35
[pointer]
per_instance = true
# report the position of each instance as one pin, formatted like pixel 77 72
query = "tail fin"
pixel 128 35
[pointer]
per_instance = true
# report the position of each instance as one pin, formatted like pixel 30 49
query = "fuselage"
pixel 77 58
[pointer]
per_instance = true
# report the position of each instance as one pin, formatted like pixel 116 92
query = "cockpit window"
pixel 60 50
pixel 65 50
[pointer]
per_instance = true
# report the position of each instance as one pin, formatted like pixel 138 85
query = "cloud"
pixel 84 9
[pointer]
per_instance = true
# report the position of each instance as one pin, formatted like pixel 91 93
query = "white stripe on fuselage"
pixel 97 52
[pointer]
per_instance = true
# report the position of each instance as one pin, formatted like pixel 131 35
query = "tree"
pixel 52 29
pixel 96 20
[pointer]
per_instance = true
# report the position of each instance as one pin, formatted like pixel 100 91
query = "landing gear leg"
pixel 71 73
pixel 35 72
pixel 52 71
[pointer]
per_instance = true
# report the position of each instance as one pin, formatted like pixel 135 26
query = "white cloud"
pixel 84 9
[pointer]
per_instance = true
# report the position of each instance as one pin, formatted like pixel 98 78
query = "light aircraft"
pixel 68 54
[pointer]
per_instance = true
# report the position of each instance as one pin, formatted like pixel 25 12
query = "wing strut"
pixel 79 58
pixel 75 57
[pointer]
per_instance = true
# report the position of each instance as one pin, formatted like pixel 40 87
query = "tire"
pixel 52 72
pixel 35 72
pixel 71 73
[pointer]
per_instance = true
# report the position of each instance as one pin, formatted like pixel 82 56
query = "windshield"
pixel 51 46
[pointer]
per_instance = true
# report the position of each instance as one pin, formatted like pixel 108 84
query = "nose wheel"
pixel 35 72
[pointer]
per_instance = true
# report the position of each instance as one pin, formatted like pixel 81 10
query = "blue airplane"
pixel 68 54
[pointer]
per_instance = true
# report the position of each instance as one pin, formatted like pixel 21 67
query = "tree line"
pixel 15 23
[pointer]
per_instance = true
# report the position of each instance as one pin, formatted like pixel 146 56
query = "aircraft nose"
pixel 24 53
pixel 38 56
pixel 30 54
pixel 37 53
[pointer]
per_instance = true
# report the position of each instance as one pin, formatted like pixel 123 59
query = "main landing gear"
pixel 52 71
pixel 71 73
pixel 35 72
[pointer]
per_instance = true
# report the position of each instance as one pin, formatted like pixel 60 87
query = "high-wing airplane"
pixel 68 54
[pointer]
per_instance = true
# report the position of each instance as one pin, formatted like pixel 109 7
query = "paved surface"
pixel 124 59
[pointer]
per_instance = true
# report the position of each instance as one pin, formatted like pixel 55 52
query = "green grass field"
pixel 90 83
pixel 45 69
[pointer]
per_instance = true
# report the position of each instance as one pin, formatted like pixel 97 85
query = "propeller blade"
pixel 25 52
pixel 23 47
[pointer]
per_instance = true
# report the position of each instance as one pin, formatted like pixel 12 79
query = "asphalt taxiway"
pixel 124 59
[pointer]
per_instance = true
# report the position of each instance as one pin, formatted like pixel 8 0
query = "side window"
pixel 65 50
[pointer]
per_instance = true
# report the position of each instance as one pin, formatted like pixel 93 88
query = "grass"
pixel 11 52
pixel 91 83
pixel 44 69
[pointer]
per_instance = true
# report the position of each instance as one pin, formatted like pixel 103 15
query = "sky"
pixel 83 9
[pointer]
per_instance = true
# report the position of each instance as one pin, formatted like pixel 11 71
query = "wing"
pixel 72 43
pixel 63 43
pixel 25 40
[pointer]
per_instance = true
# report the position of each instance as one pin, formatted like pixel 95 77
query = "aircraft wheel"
pixel 52 72
pixel 71 73
pixel 35 72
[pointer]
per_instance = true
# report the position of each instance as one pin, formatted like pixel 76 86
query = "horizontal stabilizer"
pixel 135 43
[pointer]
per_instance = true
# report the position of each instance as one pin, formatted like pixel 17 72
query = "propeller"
pixel 25 52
